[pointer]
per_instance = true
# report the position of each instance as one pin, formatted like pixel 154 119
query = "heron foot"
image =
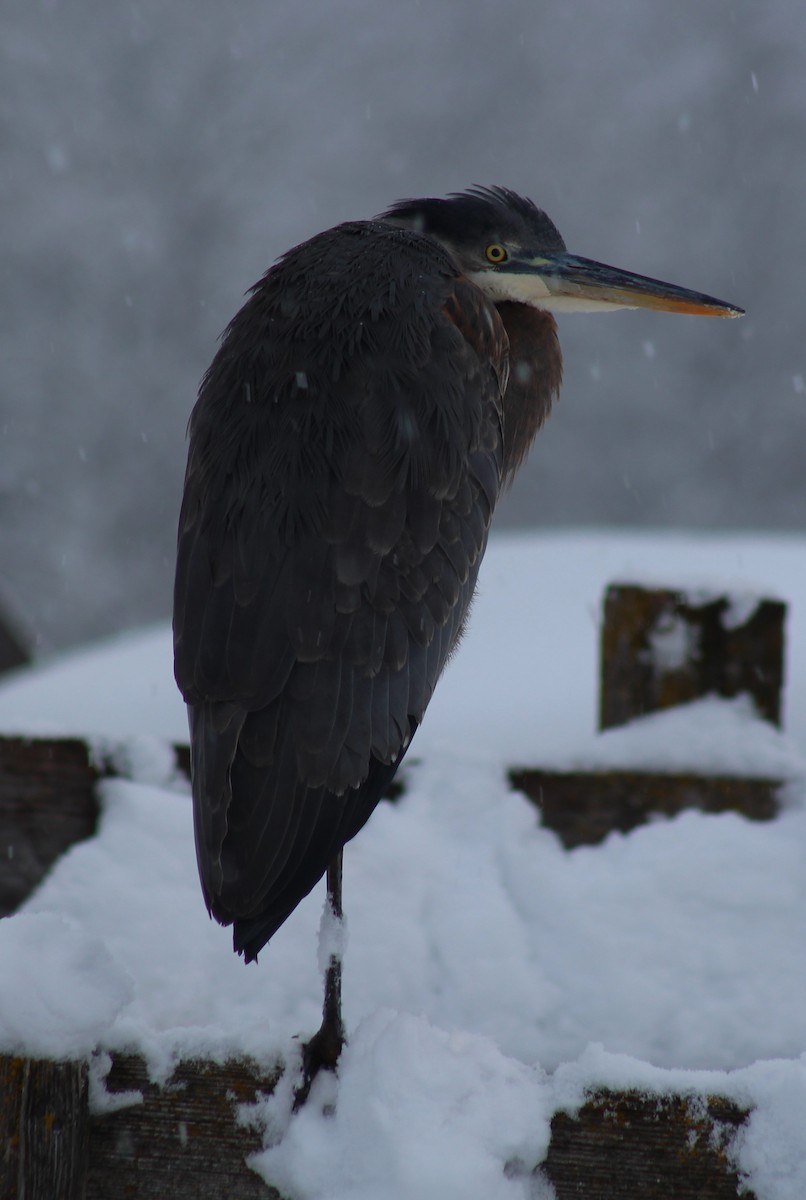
pixel 321 1052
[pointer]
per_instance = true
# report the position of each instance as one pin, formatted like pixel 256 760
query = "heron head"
pixel 512 250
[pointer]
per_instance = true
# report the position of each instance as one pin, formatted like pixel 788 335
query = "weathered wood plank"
pixel 584 807
pixel 661 647
pixel 43 1129
pixel 184 1140
pixel 625 1144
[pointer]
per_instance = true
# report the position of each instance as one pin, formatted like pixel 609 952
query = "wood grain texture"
pixel 43 1129
pixel 184 1140
pixel 624 1145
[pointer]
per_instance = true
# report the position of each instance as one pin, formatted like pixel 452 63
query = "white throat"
pixel 531 289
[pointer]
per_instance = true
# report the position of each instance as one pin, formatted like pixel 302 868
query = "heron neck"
pixel 535 374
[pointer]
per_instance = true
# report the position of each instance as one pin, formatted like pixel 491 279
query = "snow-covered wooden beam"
pixel 662 648
pixel 188 1140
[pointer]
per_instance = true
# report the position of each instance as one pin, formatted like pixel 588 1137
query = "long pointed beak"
pixel 565 283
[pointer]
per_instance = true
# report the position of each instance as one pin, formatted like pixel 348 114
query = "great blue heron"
pixel 366 407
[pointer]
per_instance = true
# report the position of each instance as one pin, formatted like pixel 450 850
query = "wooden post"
pixel 662 647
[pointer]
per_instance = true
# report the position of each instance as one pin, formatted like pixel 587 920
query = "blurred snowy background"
pixel 156 158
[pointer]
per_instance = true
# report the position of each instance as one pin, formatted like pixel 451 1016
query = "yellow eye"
pixel 496 253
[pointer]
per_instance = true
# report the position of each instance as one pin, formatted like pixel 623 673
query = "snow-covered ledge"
pixel 511 1005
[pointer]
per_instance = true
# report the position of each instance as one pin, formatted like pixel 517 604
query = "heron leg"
pixel 325 1047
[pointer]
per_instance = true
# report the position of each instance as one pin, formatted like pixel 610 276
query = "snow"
pixel 476 1121
pixel 712 736
pixel 57 1022
pixel 673 643
pixel 490 976
pixel 332 943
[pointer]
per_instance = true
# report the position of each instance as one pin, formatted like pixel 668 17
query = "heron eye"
pixel 496 253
